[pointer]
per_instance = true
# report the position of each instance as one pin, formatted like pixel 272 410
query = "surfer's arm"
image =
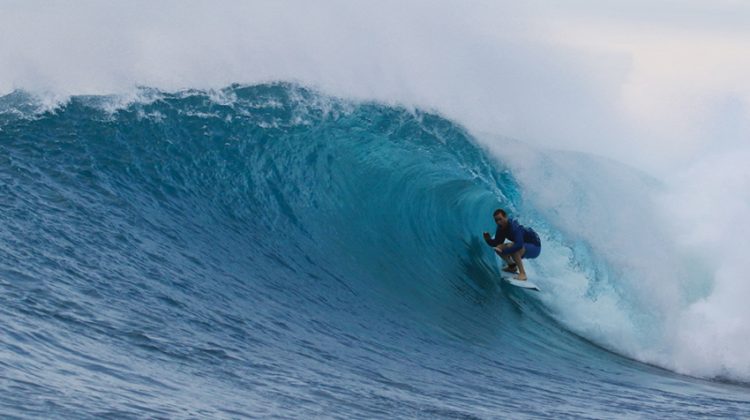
pixel 493 242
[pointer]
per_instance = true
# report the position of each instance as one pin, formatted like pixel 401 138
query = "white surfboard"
pixel 524 284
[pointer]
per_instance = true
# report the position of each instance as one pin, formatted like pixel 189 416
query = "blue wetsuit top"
pixel 515 233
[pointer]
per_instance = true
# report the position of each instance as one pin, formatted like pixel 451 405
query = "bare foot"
pixel 510 269
pixel 520 277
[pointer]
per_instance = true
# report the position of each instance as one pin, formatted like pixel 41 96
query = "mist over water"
pixel 650 90
pixel 666 296
pixel 632 166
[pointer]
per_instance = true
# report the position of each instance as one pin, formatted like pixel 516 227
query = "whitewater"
pixel 269 250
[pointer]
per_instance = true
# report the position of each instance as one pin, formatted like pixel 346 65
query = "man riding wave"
pixel 523 243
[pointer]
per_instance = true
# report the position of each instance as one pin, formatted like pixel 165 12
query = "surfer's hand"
pixel 486 235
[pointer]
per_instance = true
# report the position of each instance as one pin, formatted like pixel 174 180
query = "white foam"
pixel 655 271
pixel 708 205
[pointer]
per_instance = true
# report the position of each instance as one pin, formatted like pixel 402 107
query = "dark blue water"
pixel 270 251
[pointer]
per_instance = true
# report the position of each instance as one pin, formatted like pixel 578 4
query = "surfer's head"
pixel 501 217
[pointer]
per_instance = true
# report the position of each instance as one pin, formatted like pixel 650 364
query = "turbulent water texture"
pixel 270 251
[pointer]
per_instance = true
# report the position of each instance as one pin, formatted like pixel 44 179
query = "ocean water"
pixel 270 251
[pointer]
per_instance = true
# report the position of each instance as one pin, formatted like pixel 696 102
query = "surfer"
pixel 523 243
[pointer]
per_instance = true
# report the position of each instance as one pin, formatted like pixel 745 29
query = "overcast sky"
pixel 651 83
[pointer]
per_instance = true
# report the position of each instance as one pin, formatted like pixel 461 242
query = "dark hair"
pixel 501 211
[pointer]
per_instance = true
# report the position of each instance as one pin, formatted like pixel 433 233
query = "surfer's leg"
pixel 518 259
pixel 511 266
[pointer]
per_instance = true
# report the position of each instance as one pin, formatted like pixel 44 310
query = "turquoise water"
pixel 271 251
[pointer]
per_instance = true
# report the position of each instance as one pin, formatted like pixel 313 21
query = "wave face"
pixel 270 251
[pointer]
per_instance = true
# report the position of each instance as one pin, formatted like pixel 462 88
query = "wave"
pixel 254 223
